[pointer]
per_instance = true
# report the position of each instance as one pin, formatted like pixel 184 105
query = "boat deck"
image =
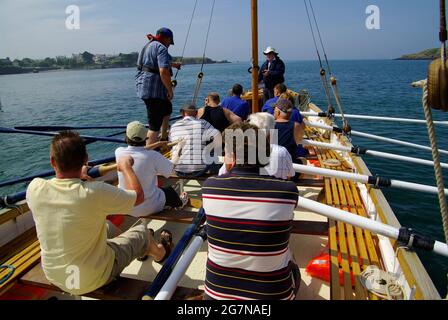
pixel 351 249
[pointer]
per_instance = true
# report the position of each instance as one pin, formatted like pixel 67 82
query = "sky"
pixel 37 28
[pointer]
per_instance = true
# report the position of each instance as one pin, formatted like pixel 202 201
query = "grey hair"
pixel 263 120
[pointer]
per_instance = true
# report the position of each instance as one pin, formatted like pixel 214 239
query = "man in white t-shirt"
pixel 148 165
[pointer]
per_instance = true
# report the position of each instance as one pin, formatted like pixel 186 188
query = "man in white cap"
pixel 148 165
pixel 272 72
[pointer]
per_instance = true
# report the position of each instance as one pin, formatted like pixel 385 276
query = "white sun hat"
pixel 270 49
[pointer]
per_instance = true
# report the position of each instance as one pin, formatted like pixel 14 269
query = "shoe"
pixel 184 198
pixel 166 240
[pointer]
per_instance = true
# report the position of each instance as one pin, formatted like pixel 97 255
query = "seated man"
pixel 280 162
pixel 196 133
pixel 237 105
pixel 249 220
pixel 269 105
pixel 290 133
pixel 70 217
pixel 281 92
pixel 219 117
pixel 148 165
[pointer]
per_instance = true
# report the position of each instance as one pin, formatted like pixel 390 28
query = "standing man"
pixel 153 82
pixel 272 72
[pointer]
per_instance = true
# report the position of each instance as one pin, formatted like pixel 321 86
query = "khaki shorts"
pixel 127 246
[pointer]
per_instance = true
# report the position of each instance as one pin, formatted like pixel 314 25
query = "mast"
pixel 255 66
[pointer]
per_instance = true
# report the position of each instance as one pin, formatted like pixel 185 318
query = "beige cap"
pixel 136 131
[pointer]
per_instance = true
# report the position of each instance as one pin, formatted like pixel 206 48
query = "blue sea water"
pixel 107 97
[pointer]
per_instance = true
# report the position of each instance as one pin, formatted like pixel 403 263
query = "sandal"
pixel 166 240
pixel 145 257
pixel 184 198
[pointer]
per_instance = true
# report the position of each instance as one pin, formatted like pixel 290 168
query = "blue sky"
pixel 36 28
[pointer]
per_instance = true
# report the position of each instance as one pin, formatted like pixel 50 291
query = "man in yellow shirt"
pixel 70 216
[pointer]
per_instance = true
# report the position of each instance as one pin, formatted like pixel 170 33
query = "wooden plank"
pixel 360 293
pixel 18 244
pixel 9 214
pixel 348 292
pixel 371 247
pixel 22 265
pixel 120 289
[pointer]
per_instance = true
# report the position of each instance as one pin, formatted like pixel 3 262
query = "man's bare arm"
pixel 124 165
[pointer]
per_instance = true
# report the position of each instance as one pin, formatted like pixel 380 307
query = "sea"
pixel 108 97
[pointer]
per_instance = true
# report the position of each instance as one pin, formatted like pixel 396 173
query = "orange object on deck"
pixel 319 267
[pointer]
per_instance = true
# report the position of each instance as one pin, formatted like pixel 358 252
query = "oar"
pixel 393 141
pixel 378 182
pixel 41 133
pixel 404 235
pixel 169 265
pixel 94 172
pixel 366 117
pixel 361 151
pixel 181 267
pixel 62 128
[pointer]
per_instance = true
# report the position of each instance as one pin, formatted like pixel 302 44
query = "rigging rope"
pixel 323 75
pixel 185 44
pixel 436 157
pixel 333 80
pixel 200 75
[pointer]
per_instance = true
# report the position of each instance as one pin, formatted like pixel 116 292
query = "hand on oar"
pixel 85 175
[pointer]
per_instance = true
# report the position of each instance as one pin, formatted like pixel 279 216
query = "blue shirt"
pixel 237 105
pixel 296 116
pixel 149 85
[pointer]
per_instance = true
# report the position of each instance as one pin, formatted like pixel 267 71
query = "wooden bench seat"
pixel 22 256
pixel 351 249
pixel 120 289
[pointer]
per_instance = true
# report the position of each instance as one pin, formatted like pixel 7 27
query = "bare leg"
pixel 153 137
pixel 164 129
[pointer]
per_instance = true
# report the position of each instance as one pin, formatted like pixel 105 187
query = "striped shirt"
pixel 249 220
pixel 197 133
pixel 149 85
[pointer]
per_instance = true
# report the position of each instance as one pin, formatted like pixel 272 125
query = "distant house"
pixel 100 58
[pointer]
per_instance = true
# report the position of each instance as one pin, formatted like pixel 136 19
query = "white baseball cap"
pixel 269 49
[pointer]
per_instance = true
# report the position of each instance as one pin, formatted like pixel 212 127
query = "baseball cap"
pixel 167 33
pixel 136 131
pixel 284 105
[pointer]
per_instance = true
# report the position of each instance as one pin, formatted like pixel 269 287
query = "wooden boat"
pixel 350 250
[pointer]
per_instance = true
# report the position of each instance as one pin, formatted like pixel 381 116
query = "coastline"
pixel 5 72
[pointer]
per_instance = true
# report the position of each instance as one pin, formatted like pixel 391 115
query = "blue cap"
pixel 167 33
